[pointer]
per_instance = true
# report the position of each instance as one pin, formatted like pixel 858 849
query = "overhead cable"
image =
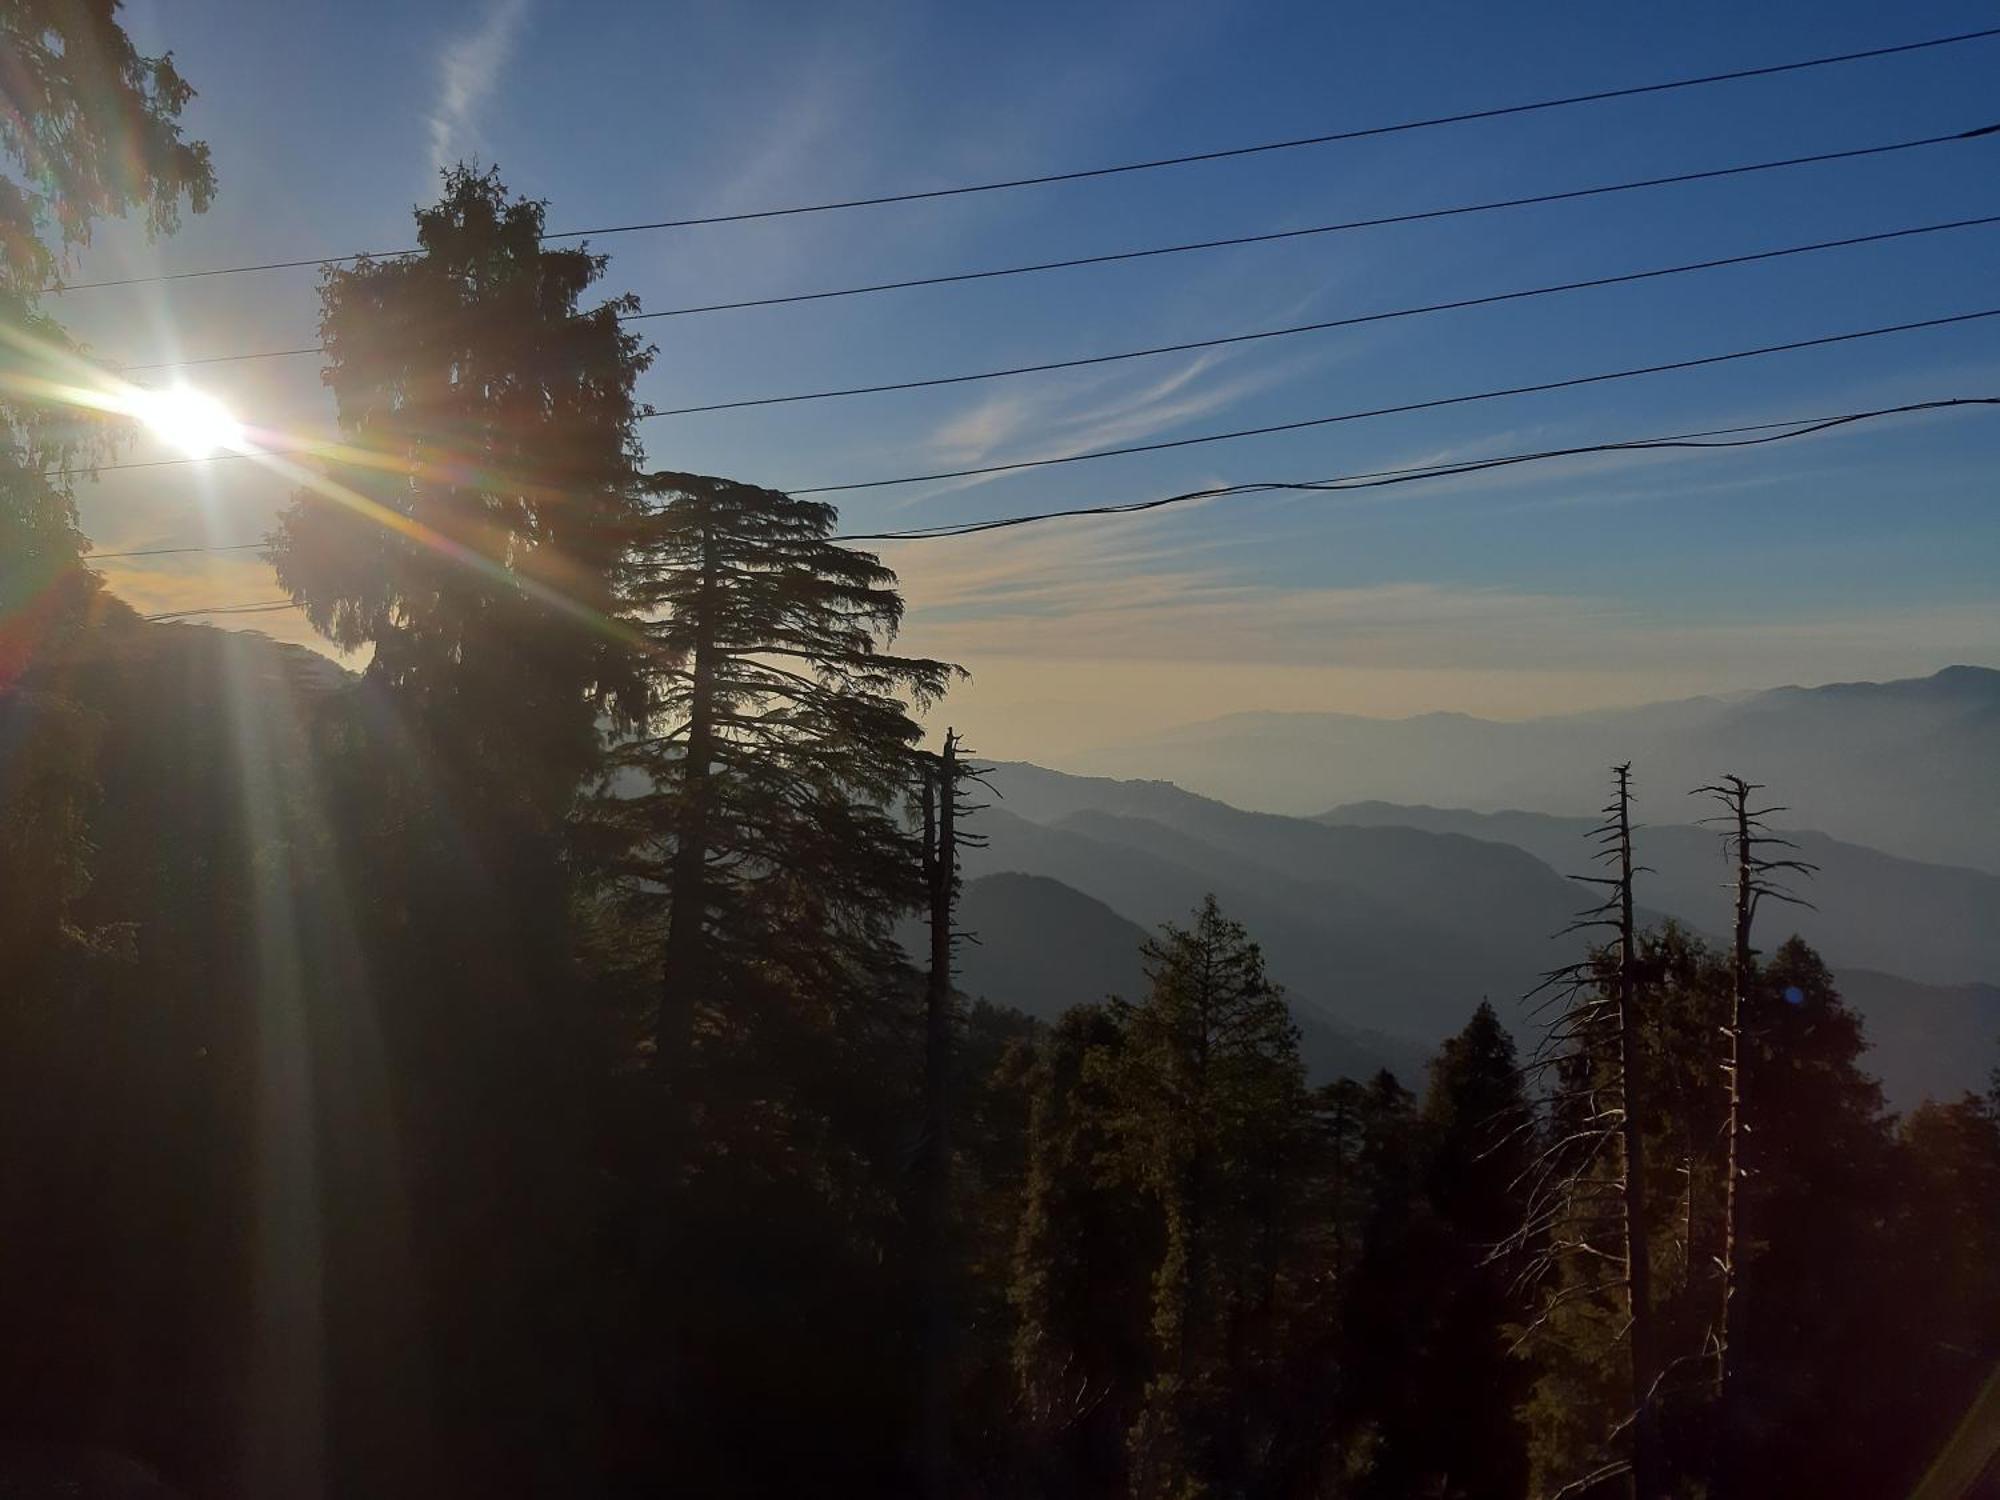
pixel 1463 117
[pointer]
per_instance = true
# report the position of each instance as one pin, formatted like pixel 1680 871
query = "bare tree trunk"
pixel 943 883
pixel 1732 1073
pixel 1632 1136
pixel 940 808
pixel 684 966
pixel 1340 1193
pixel 1756 877
pixel 1596 1042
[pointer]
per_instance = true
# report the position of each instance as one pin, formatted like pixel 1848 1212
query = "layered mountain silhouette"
pixel 1388 925
pixel 1386 922
pixel 1041 946
pixel 1937 923
pixel 1910 767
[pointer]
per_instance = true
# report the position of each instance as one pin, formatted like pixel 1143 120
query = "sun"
pixel 190 420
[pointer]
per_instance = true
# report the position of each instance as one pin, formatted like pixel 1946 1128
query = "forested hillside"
pixel 312 1116
pixel 1384 918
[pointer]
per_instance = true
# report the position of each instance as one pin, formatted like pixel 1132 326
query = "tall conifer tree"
pixel 1206 1088
pixel 474 549
pixel 774 749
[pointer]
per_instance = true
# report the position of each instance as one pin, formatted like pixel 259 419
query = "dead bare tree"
pixel 1573 1210
pixel 941 797
pixel 1745 837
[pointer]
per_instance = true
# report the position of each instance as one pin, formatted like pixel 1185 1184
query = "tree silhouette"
pixel 474 550
pixel 468 539
pixel 92 131
pixel 1589 1200
pixel 1083 1250
pixel 1479 1145
pixel 1205 1088
pixel 1759 876
pixel 943 807
pixel 769 758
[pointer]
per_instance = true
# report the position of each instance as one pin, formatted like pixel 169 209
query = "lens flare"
pixel 190 420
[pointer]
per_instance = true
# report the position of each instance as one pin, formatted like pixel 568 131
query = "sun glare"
pixel 190 420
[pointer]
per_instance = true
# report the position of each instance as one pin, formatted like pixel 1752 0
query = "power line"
pixel 1730 437
pixel 1217 437
pixel 1194 246
pixel 1709 439
pixel 1410 406
pixel 224 359
pixel 1420 216
pixel 320 449
pixel 1081 174
pixel 176 551
pixel 1330 323
pixel 1367 479
pixel 263 607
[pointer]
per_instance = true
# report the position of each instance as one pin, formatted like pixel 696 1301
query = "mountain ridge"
pixel 1939 924
pixel 1910 767
pixel 1403 930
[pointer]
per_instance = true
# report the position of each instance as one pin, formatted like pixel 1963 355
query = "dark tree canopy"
pixel 474 549
pixel 90 130
pixel 93 127
pixel 758 787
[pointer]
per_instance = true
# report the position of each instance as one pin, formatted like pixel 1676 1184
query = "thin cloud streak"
pixel 469 71
pixel 986 429
pixel 1107 592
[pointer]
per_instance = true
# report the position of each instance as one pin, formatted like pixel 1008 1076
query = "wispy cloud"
pixel 1068 417
pixel 1117 591
pixel 469 70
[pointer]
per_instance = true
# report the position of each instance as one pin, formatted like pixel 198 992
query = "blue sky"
pixel 1874 553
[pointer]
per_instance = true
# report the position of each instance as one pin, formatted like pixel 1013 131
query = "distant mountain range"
pixel 1388 925
pixel 1911 767
pixel 1045 946
pixel 1937 923
pixel 1395 930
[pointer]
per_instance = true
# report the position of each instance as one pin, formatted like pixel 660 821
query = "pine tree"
pixel 1083 1250
pixel 1947 1278
pixel 1338 1106
pixel 1687 992
pixel 467 538
pixel 1480 1143
pixel 1479 1129
pixel 474 550
pixel 1390 1303
pixel 1206 1084
pixel 1818 1321
pixel 773 749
